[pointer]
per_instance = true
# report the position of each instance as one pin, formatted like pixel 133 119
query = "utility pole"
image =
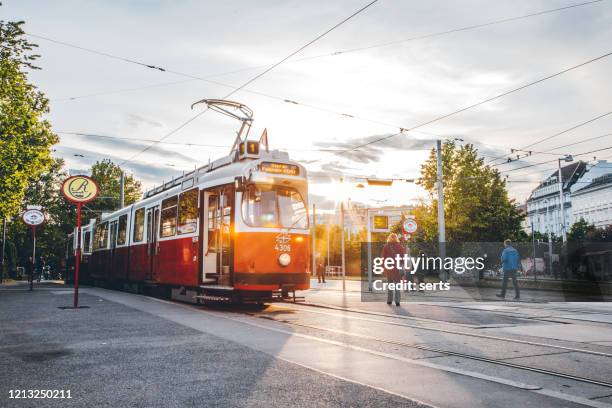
pixel 533 253
pixel 567 158
pixel 369 224
pixel 550 255
pixel 314 240
pixel 441 222
pixel 561 205
pixel 122 190
pixel 342 243
pixel 328 244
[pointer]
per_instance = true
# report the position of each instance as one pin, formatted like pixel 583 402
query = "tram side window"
pixel 87 242
pixel 213 221
pixel 139 225
pixel 188 212
pixel 122 232
pixel 167 226
pixel 101 236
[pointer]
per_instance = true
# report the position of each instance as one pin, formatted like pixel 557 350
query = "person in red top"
pixel 394 275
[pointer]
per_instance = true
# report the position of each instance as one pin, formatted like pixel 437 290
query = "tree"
pixel 25 137
pixel 476 203
pixel 61 218
pixel 107 175
pixel 580 230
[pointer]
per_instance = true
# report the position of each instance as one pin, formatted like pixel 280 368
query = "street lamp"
pixel 567 158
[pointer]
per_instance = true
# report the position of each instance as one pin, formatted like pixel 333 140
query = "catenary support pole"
pixel 122 190
pixel 561 204
pixel 441 221
pixel 328 246
pixel 369 231
pixel 533 252
pixel 342 243
pixel 314 239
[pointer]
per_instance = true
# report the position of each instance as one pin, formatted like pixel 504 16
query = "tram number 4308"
pixel 283 247
pixel 283 243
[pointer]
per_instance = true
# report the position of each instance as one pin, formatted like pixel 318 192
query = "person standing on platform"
pixel 510 259
pixel 394 275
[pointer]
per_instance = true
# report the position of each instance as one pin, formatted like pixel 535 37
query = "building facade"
pixel 543 206
pixel 587 194
pixel 593 202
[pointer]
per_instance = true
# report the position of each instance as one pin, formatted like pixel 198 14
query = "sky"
pixel 382 88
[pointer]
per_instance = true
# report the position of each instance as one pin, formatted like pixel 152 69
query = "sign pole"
pixel 79 190
pixel 33 257
pixel 34 216
pixel 77 261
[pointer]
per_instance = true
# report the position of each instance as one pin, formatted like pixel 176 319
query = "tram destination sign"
pixel 280 168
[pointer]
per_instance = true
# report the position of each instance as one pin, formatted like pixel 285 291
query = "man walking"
pixel 510 263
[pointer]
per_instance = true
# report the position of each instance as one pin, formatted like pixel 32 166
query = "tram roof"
pixel 218 172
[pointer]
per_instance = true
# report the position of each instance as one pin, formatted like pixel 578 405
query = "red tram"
pixel 235 229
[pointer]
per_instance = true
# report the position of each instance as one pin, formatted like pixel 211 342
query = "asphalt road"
pixel 116 356
pixel 130 350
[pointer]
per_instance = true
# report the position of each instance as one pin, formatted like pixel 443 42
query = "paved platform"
pixel 131 350
pixel 115 355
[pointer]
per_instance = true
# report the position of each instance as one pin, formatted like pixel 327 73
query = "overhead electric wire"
pixel 335 53
pixel 186 144
pixel 439 118
pixel 574 127
pixel 102 53
pixel 554 160
pixel 251 80
pixel 555 135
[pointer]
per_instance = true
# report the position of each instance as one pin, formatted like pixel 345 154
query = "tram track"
pixel 434 329
pixel 531 304
pixel 443 351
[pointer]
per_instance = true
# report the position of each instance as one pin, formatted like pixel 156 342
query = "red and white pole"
pixel 77 261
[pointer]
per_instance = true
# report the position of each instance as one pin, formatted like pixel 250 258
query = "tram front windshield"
pixel 274 207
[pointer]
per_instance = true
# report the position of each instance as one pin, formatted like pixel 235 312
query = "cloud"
pixel 134 121
pixel 127 148
pixel 149 173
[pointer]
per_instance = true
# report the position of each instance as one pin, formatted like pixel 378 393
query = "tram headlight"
pixel 284 259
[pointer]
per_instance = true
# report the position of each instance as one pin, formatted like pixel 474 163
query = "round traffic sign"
pixel 33 217
pixel 80 189
pixel 410 226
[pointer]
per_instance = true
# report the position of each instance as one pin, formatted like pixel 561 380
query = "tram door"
pixel 113 244
pixel 216 243
pixel 152 244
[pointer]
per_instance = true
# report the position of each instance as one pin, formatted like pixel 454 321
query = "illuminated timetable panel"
pixel 280 168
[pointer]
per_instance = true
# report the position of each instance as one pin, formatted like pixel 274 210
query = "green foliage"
pixel 25 137
pixel 580 230
pixel 583 231
pixel 61 219
pixel 476 203
pixel 61 214
pixel 107 175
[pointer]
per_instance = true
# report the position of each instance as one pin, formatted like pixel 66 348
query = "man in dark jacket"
pixel 510 259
